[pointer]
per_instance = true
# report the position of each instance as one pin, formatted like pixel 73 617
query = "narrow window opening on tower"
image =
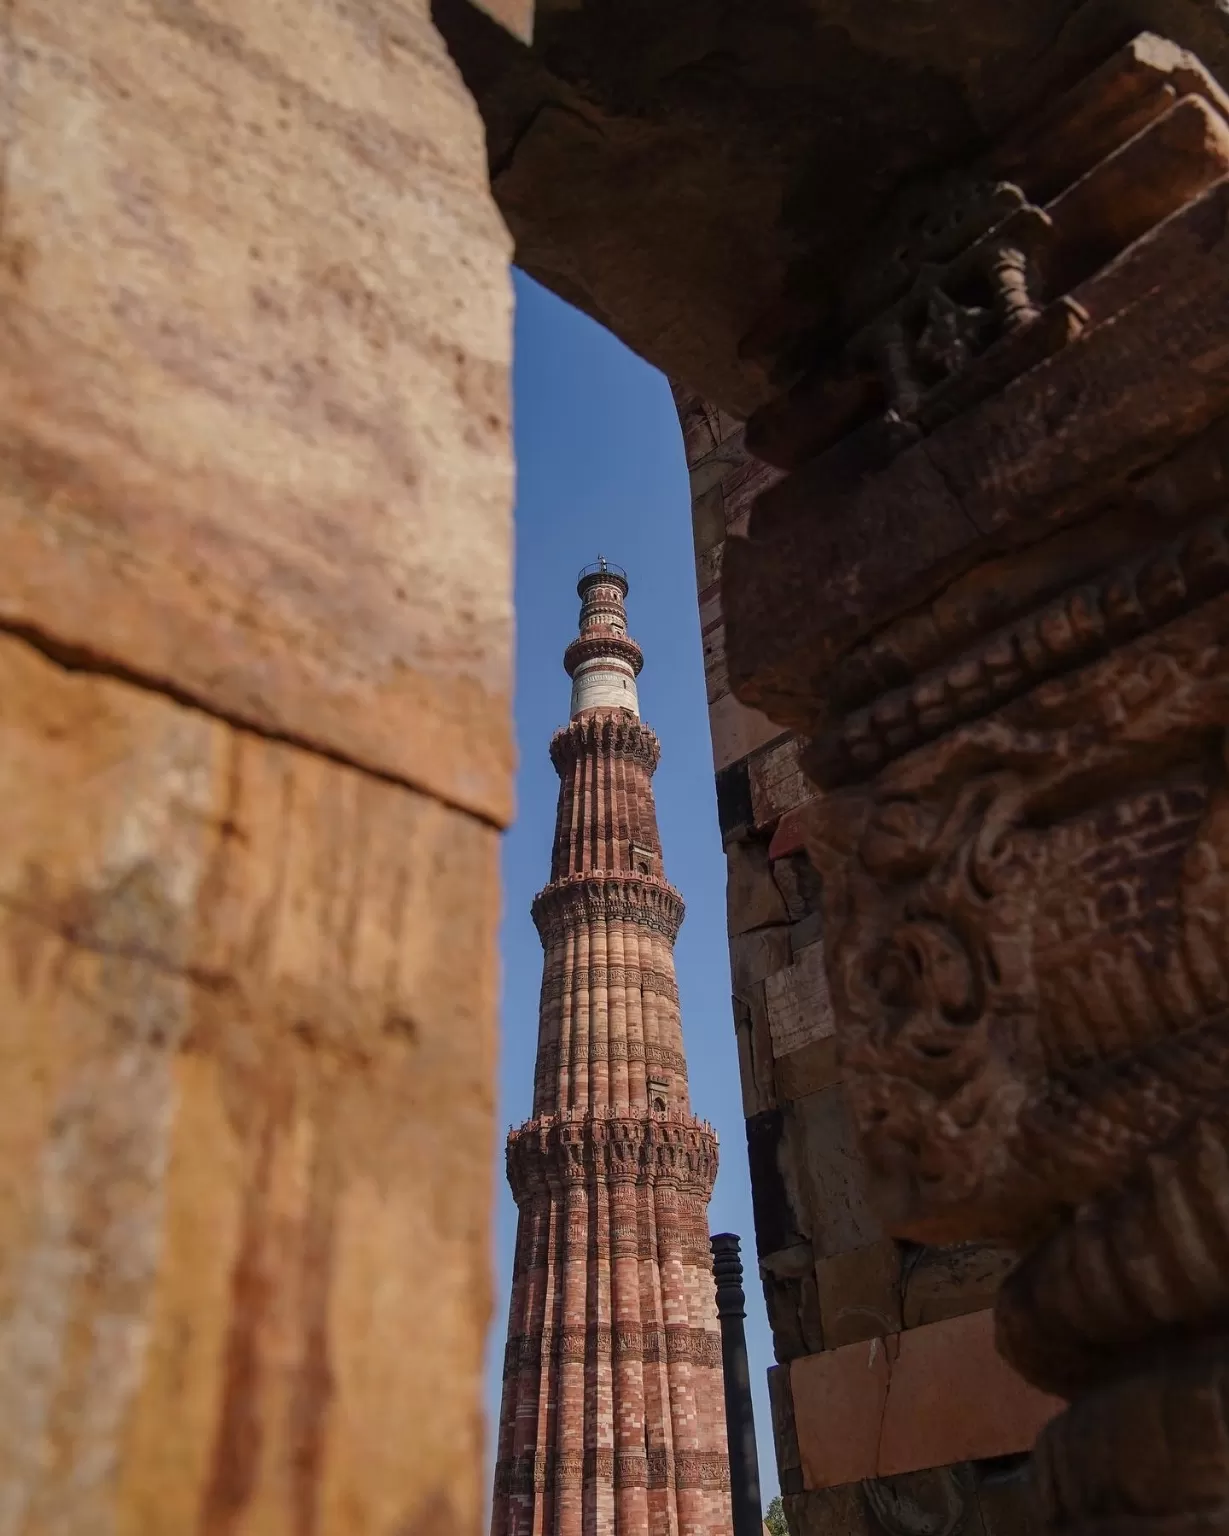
pixel 641 859
pixel 658 1089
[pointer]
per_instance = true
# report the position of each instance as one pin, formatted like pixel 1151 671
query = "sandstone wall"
pixel 891 1410
pixel 254 752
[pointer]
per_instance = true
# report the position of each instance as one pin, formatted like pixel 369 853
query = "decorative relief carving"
pixel 655 1468
pixel 579 901
pixel 613 734
pixel 626 1342
pixel 575 1147
pixel 1024 752
pixel 556 988
pixel 651 1054
pixel 1031 966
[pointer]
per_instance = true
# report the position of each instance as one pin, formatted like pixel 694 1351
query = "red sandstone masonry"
pixel 613 1415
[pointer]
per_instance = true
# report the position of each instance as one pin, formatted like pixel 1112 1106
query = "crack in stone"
pixel 73 657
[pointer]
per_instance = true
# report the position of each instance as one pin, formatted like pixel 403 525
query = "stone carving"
pixel 1024 826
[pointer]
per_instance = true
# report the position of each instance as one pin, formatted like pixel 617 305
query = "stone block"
pixel 839 1400
pixel 790 835
pixel 926 1398
pixel 792 1302
pixel 700 425
pixel 784 1435
pixel 859 1293
pixel 754 1052
pixel 822 1157
pixel 799 1007
pixel 733 801
pixel 807 931
pixel 709 473
pixel 257 448
pixel 777 1224
pixel 712 647
pixel 827 1512
pixel 755 955
pixel 708 566
pixel 953 1398
pixel 248 1046
pixel 753 898
pixel 708 520
pixel 800 885
pixel 806 1071
pixel 777 781
pixel 736 730
pixel 924 1503
pixel 947 1282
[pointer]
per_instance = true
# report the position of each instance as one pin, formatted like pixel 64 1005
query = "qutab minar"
pixel 612 1421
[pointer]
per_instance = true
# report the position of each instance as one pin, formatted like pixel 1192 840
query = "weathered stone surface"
pixel 924 1503
pixel 736 730
pixel 784 1436
pixel 827 1512
pixel 799 883
pixel 799 1008
pixel 824 1166
pixel 753 897
pixel 860 1293
pixel 755 955
pixel 953 1398
pixel 924 1398
pixel 839 1401
pixel 946 1282
pixel 806 1071
pixel 774 1201
pixel 777 781
pixel 248 1030
pixel 792 1302
pixel 257 334
pixel 769 119
pixel 755 1063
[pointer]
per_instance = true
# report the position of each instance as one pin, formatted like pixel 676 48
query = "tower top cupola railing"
pixel 603 660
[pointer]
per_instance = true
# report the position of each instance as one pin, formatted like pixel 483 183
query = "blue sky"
pixel 601 471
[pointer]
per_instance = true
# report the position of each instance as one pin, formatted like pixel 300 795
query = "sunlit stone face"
pixel 607 683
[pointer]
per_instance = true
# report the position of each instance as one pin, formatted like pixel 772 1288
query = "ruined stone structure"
pixel 612 1422
pixel 893 1415
pixel 961 271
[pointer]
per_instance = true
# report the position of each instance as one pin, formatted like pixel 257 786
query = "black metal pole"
pixel 739 1412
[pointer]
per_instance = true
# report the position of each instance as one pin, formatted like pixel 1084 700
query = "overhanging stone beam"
pixel 702 178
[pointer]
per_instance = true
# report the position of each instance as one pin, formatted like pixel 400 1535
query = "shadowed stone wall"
pixel 891 1410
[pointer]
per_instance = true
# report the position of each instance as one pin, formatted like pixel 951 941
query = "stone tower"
pixel 612 1421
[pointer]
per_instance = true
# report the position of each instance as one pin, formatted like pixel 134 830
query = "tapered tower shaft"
pixel 612 1421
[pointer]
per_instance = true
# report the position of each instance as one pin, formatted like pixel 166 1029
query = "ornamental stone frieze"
pixel 992 592
pixel 641 1147
pixel 580 900
pixel 614 734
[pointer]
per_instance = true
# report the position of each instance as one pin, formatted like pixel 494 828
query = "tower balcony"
pixel 637 1145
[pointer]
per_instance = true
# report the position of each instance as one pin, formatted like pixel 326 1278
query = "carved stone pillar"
pixel 993 595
